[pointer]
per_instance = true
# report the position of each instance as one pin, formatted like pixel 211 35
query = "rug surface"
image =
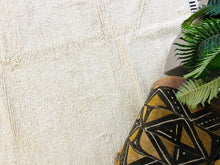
pixel 75 73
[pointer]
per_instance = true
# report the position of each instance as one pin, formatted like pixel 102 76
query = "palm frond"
pixel 214 64
pixel 211 10
pixel 211 61
pixel 195 92
pixel 199 39
pixel 195 16
pixel 213 3
pixel 214 7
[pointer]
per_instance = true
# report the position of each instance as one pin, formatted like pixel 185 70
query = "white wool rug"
pixel 74 75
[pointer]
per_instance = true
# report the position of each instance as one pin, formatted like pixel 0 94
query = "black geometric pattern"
pixel 167 132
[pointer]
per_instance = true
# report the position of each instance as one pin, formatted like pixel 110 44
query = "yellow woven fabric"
pixel 167 132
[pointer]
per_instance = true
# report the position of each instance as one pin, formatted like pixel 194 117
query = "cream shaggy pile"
pixel 74 75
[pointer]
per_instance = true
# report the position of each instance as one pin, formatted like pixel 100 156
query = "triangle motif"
pixel 147 146
pixel 133 156
pixel 158 113
pixel 168 145
pixel 205 139
pixel 156 101
pixel 185 138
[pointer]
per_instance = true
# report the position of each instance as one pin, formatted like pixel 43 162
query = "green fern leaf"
pixel 214 7
pixel 195 16
pixel 195 92
pixel 215 64
pixel 213 3
pixel 199 39
pixel 210 61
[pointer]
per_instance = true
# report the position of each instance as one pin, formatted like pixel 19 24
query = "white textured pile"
pixel 74 75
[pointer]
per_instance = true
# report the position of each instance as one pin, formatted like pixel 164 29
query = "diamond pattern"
pixel 167 132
